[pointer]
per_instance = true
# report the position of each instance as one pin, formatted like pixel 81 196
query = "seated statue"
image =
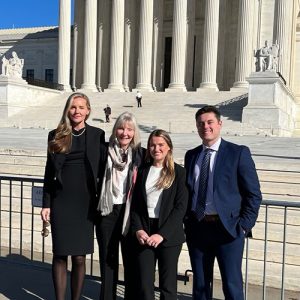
pixel 12 67
pixel 267 57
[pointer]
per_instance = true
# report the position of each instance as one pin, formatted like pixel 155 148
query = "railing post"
pixel 283 253
pixel 265 254
pixel 21 219
pixel 246 269
pixel 10 217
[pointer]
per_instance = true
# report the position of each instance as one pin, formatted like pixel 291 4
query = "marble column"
pixel 210 46
pixel 145 46
pixel 179 41
pixel 127 38
pixel 74 69
pixel 64 44
pixel 117 46
pixel 283 37
pixel 100 27
pixel 90 46
pixel 244 44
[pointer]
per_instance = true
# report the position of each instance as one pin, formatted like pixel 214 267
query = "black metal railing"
pixel 20 232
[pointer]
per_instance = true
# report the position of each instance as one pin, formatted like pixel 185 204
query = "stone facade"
pixel 123 45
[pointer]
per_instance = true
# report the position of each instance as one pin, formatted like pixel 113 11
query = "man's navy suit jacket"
pixel 236 188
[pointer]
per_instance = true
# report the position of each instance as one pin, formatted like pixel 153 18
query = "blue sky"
pixel 28 13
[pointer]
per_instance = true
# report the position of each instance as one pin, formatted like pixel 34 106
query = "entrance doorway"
pixel 167 61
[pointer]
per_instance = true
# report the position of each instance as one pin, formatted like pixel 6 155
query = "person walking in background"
pixel 158 207
pixel 223 206
pixel 70 191
pixel 124 156
pixel 107 112
pixel 139 98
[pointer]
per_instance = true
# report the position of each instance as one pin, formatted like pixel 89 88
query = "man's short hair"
pixel 208 109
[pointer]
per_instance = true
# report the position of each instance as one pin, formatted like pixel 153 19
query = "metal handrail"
pixel 8 183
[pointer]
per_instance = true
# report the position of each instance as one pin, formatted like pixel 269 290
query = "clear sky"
pixel 28 13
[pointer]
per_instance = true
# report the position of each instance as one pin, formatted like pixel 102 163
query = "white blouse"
pixel 154 195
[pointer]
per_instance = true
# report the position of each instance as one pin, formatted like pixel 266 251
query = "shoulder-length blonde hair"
pixel 63 135
pixel 168 171
pixel 123 118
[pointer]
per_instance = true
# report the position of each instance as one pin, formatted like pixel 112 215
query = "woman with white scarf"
pixel 124 156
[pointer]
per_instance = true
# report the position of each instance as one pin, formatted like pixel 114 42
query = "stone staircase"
pixel 175 113
pixel 171 111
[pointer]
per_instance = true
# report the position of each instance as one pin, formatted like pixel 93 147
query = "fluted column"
pixel 117 46
pixel 74 69
pixel 145 46
pixel 64 44
pixel 100 32
pixel 244 44
pixel 126 56
pixel 90 45
pixel 179 41
pixel 210 45
pixel 283 37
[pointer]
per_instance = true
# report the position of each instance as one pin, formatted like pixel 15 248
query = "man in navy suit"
pixel 217 222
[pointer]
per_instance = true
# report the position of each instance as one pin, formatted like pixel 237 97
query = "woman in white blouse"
pixel 158 206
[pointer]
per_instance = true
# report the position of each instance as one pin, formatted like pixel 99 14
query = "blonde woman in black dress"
pixel 70 191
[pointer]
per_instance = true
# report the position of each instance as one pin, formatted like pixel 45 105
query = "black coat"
pixel 95 138
pixel 172 210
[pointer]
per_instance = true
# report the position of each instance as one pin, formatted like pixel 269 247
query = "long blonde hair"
pixel 168 171
pixel 63 135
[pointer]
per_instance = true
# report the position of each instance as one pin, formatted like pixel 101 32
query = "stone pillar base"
pixel 240 85
pixel 16 95
pixel 88 87
pixel 66 88
pixel 271 106
pixel 176 87
pixel 146 87
pixel 112 87
pixel 207 86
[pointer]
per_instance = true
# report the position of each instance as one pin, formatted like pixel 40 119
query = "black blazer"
pixel 95 138
pixel 172 210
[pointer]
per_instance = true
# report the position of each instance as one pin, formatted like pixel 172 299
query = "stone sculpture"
pixel 12 67
pixel 267 57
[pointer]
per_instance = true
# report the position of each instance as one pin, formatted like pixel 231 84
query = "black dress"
pixel 71 218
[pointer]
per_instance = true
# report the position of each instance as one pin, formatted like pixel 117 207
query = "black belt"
pixel 211 218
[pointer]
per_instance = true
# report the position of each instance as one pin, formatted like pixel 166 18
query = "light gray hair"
pixel 123 118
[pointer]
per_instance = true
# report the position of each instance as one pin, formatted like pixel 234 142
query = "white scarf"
pixel 110 184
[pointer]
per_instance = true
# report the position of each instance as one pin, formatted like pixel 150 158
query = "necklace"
pixel 82 132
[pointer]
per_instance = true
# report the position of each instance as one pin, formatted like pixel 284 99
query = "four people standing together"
pixel 140 198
